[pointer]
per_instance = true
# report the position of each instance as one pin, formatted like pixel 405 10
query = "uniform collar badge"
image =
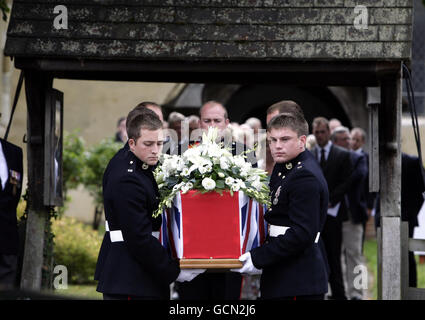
pixel 288 166
pixel 145 166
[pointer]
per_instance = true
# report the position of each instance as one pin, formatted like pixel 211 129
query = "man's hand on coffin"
pixel 248 266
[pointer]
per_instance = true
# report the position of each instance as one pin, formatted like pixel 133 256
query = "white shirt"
pixel 359 151
pixel 3 168
pixel 327 148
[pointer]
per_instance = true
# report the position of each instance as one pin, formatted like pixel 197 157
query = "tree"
pixel 73 163
pixel 97 158
pixel 4 9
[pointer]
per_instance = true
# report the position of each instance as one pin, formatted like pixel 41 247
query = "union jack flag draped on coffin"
pixel 210 225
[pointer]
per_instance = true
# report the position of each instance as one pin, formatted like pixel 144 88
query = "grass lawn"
pixel 76 291
pixel 370 253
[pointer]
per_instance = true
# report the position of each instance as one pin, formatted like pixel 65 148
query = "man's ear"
pixel 131 144
pixel 303 140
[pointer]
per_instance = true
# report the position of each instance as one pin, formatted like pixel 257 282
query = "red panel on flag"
pixel 210 225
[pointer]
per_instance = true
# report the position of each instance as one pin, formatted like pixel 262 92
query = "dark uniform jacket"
pixel 139 265
pixel 294 264
pixel 9 198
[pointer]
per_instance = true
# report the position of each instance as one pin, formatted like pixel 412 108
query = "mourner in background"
pixel 353 227
pixel 121 134
pixel 134 264
pixel 336 166
pixel 292 259
pixel 412 188
pixel 11 174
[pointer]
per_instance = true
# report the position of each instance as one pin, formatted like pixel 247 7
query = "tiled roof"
pixel 212 30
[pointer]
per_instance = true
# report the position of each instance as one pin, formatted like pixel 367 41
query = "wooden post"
pixel 390 184
pixel 36 85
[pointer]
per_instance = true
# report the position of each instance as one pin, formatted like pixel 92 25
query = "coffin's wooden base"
pixel 210 264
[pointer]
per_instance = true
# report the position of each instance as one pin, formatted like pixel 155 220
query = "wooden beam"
pixel 354 73
pixel 390 180
pixel 36 84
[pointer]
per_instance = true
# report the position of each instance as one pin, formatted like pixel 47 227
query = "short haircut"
pixel 286 106
pixel 120 120
pixel 320 121
pixel 291 121
pixel 146 120
pixel 193 118
pixel 361 131
pixel 337 131
pixel 175 117
pixel 214 102
pixel 140 108
pixel 253 122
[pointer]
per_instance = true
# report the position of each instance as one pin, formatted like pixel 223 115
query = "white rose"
pixel 221 175
pixel 202 170
pixel 235 187
pixel 224 164
pixel 185 172
pixel 239 161
pixel 208 183
pixel 229 181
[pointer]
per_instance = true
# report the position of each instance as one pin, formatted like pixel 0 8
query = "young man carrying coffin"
pixel 292 259
pixel 134 263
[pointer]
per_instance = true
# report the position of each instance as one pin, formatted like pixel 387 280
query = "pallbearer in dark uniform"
pixel 143 107
pixel 11 174
pixel 134 265
pixel 292 259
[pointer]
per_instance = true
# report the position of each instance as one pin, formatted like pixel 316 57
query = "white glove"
pixel 248 266
pixel 189 274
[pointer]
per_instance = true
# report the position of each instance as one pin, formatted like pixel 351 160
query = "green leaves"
pixel 82 165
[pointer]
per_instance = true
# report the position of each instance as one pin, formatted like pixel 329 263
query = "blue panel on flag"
pixel 164 231
pixel 255 242
pixel 177 218
pixel 244 214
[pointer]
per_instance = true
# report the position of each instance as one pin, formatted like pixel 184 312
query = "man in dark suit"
pixel 412 187
pixel 134 264
pixel 353 228
pixel 293 264
pixel 11 175
pixel 336 165
pixel 358 139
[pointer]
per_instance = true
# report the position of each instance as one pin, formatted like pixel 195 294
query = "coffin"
pixel 211 230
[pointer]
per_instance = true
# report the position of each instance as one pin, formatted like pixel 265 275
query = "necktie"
pixel 322 159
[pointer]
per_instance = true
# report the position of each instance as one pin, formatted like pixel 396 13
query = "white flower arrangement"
pixel 208 167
